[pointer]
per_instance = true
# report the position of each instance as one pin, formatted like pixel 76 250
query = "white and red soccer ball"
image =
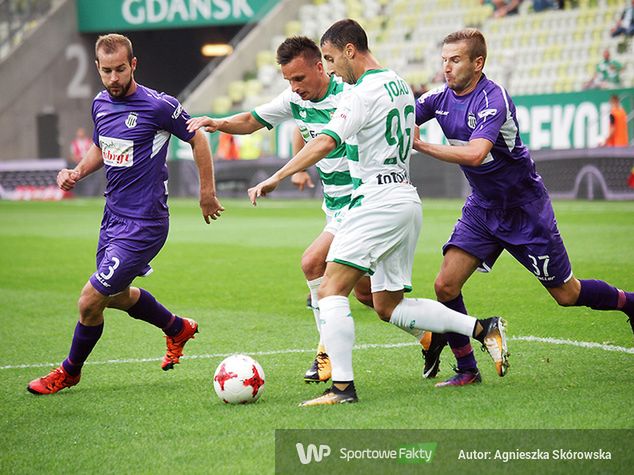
pixel 239 379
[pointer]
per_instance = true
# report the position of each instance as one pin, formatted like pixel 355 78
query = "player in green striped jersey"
pixel 310 100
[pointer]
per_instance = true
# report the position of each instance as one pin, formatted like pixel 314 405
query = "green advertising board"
pixel 133 15
pixel 549 121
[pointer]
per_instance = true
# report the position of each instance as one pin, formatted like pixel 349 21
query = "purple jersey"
pixel 507 177
pixel 133 133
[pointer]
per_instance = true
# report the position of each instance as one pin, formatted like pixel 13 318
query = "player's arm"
pixel 472 154
pixel 312 152
pixel 239 124
pixel 93 161
pixel 209 204
pixel 301 179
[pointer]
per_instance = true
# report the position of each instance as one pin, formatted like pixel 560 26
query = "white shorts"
pixel 380 238
pixel 333 220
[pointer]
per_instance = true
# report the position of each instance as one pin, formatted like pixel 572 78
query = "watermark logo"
pixel 312 452
pixel 417 453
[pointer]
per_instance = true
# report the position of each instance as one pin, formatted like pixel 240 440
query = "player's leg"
pixel 457 266
pixel 337 330
pixel 546 257
pixel 596 294
pixel 87 333
pixel 313 267
pixel 363 291
pixel 470 246
pixel 426 314
pixel 141 305
pixel 131 247
pixel 392 278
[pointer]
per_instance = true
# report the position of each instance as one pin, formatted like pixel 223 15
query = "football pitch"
pixel 239 277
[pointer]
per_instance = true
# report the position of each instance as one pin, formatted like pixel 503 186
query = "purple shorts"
pixel 126 247
pixel 528 232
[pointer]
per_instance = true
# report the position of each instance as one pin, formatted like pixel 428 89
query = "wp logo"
pixel 312 452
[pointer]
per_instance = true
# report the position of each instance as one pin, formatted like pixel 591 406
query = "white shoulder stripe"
pixel 433 92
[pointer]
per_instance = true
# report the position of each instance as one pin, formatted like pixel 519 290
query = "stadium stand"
pixel 531 53
pixel 18 18
pixel 559 49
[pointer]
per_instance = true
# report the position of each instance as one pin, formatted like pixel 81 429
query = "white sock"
pixel 425 314
pixel 337 330
pixel 415 332
pixel 313 286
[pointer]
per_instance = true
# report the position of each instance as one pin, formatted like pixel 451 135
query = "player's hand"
pixel 302 180
pixel 211 208
pixel 209 124
pixel 262 188
pixel 67 179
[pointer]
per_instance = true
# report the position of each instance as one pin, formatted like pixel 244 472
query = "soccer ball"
pixel 239 379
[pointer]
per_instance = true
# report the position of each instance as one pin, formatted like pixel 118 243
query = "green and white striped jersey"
pixel 311 117
pixel 376 120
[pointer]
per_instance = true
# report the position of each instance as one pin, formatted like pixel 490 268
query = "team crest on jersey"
pixel 302 113
pixel 130 122
pixel 471 120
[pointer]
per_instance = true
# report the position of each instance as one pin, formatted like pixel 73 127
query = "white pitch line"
pixel 581 344
pixel 552 341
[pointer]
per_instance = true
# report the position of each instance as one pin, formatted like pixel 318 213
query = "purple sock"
pixel 84 340
pixel 600 295
pixel 150 310
pixel 460 345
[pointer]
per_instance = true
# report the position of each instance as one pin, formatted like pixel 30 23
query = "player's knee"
pixel 445 290
pixel 567 294
pixel 565 299
pixel 312 266
pixel 88 308
pixel 383 311
pixel 364 297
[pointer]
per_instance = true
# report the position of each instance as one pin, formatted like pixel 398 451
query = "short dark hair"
pixel 111 43
pixel 296 46
pixel 474 38
pixel 346 31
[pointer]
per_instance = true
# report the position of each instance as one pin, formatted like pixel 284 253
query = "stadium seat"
pixel 221 105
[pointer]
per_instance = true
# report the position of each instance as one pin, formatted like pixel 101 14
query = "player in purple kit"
pixel 509 207
pixel 133 125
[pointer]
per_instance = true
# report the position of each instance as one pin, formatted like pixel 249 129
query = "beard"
pixel 122 90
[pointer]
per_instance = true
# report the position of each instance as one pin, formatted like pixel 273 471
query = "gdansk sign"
pixel 130 15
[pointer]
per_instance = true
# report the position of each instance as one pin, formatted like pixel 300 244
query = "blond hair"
pixel 475 41
pixel 111 43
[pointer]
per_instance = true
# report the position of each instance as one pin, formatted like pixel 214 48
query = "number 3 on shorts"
pixel 111 269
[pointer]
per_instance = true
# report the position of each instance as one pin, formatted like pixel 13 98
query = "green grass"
pixel 240 278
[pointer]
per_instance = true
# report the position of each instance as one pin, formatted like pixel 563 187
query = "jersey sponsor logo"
pixel 439 112
pixel 116 152
pixel 177 112
pixel 486 113
pixel 130 122
pixel 392 177
pixel 471 120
